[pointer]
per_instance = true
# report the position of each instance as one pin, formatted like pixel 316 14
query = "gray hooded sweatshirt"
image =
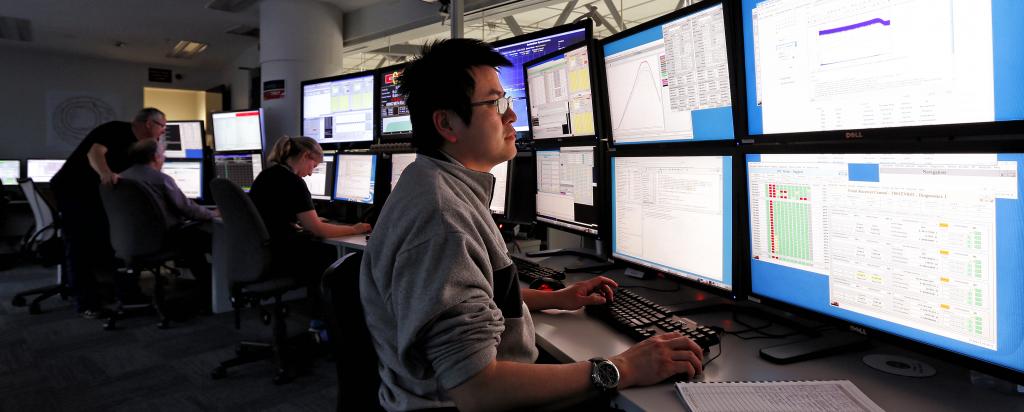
pixel 438 288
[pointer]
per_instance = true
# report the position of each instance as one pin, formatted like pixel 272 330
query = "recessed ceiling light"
pixel 186 49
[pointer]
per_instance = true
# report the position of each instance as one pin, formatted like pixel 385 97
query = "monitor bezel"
pixel 329 197
pixel 379 120
pixel 588 35
pixel 739 285
pixel 213 162
pixel 31 159
pixel 992 130
pixel 341 146
pixel 871 147
pixel 599 191
pixel 202 175
pixel 590 45
pixel 376 171
pixel 733 57
pixel 22 169
pixel 202 136
pixel 263 131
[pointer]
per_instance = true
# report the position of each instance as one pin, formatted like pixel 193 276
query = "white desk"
pixel 574 336
pixel 348 243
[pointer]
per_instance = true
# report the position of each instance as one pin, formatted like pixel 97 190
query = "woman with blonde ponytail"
pixel 286 206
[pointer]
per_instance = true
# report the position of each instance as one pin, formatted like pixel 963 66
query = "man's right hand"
pixel 658 358
pixel 109 178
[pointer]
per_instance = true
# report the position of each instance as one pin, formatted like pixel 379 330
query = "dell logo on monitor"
pixel 854 135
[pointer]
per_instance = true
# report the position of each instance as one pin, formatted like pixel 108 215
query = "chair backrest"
pixel 356 358
pixel 42 211
pixel 138 228
pixel 241 245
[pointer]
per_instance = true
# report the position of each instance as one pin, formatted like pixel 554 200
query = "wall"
pixel 176 104
pixel 28 78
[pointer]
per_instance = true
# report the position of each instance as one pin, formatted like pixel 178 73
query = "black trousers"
pixel 306 259
pixel 86 242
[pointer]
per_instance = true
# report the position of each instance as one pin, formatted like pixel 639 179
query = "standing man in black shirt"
pixel 97 160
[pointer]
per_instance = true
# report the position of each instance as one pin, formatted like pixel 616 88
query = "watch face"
pixel 607 374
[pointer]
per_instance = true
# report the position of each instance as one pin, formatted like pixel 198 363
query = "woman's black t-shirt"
pixel 279 195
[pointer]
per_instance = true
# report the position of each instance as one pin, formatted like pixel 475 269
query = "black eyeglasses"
pixel 502 103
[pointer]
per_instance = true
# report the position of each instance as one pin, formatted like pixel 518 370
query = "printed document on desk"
pixel 783 396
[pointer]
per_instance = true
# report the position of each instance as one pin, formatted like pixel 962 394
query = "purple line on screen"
pixel 855 26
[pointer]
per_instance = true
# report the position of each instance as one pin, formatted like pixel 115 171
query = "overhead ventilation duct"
pixel 231 6
pixel 12 28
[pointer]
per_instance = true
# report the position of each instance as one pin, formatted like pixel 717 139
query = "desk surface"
pixel 560 332
pixel 350 241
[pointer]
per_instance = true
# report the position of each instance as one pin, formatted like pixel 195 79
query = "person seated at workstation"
pixel 188 223
pixel 447 317
pixel 286 206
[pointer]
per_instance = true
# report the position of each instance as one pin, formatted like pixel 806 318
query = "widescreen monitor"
pixel 669 80
pixel 567 188
pixel 400 161
pixel 673 214
pixel 522 49
pixel 241 130
pixel 183 140
pixel 188 175
pixel 559 94
pixel 321 182
pixel 395 121
pixel 339 109
pixel 498 198
pixel 240 168
pixel 926 247
pixel 10 172
pixel 858 68
pixel 355 178
pixel 41 170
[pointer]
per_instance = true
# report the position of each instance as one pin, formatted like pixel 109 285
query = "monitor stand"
pixel 829 343
pixel 604 264
pixel 729 306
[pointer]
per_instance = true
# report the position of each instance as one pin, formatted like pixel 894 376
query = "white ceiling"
pixel 149 29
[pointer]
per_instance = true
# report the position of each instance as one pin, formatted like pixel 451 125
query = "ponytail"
pixel 288 147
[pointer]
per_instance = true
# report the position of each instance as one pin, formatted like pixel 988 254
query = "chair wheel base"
pixel 18 301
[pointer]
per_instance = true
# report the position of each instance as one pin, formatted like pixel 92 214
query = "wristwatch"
pixel 603 374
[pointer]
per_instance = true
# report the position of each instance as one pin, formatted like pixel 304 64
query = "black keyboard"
pixel 640 318
pixel 529 271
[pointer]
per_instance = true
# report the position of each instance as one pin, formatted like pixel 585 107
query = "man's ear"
pixel 443 124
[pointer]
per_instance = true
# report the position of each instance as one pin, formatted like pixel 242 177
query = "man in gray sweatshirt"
pixel 447 317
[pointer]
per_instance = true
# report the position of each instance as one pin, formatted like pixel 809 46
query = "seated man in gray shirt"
pixel 192 240
pixel 448 320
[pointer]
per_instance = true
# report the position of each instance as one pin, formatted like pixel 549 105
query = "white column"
pixel 299 40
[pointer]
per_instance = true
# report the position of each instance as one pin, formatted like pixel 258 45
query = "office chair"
pixel 355 357
pixel 139 235
pixel 241 251
pixel 43 244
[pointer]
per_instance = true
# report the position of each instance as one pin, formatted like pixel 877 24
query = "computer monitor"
pixel 567 188
pixel 400 161
pixel 499 198
pixel 673 214
pixel 859 69
pixel 558 92
pixel 188 175
pixel 241 130
pixel 321 182
pixel 355 177
pixel 41 170
pixel 394 114
pixel 10 172
pixel 521 49
pixel 926 247
pixel 240 168
pixel 339 109
pixel 668 80
pixel 183 140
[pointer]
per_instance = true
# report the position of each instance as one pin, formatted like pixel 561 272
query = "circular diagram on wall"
pixel 75 117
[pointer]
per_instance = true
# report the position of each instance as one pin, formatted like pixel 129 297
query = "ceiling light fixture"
pixel 186 49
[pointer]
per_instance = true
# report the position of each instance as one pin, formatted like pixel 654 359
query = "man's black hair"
pixel 441 80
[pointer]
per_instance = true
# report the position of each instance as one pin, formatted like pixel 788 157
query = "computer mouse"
pixel 546 284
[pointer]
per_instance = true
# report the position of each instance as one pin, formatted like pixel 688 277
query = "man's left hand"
pixel 596 291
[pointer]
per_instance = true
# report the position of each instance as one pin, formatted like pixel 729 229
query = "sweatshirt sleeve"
pixel 176 200
pixel 448 323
